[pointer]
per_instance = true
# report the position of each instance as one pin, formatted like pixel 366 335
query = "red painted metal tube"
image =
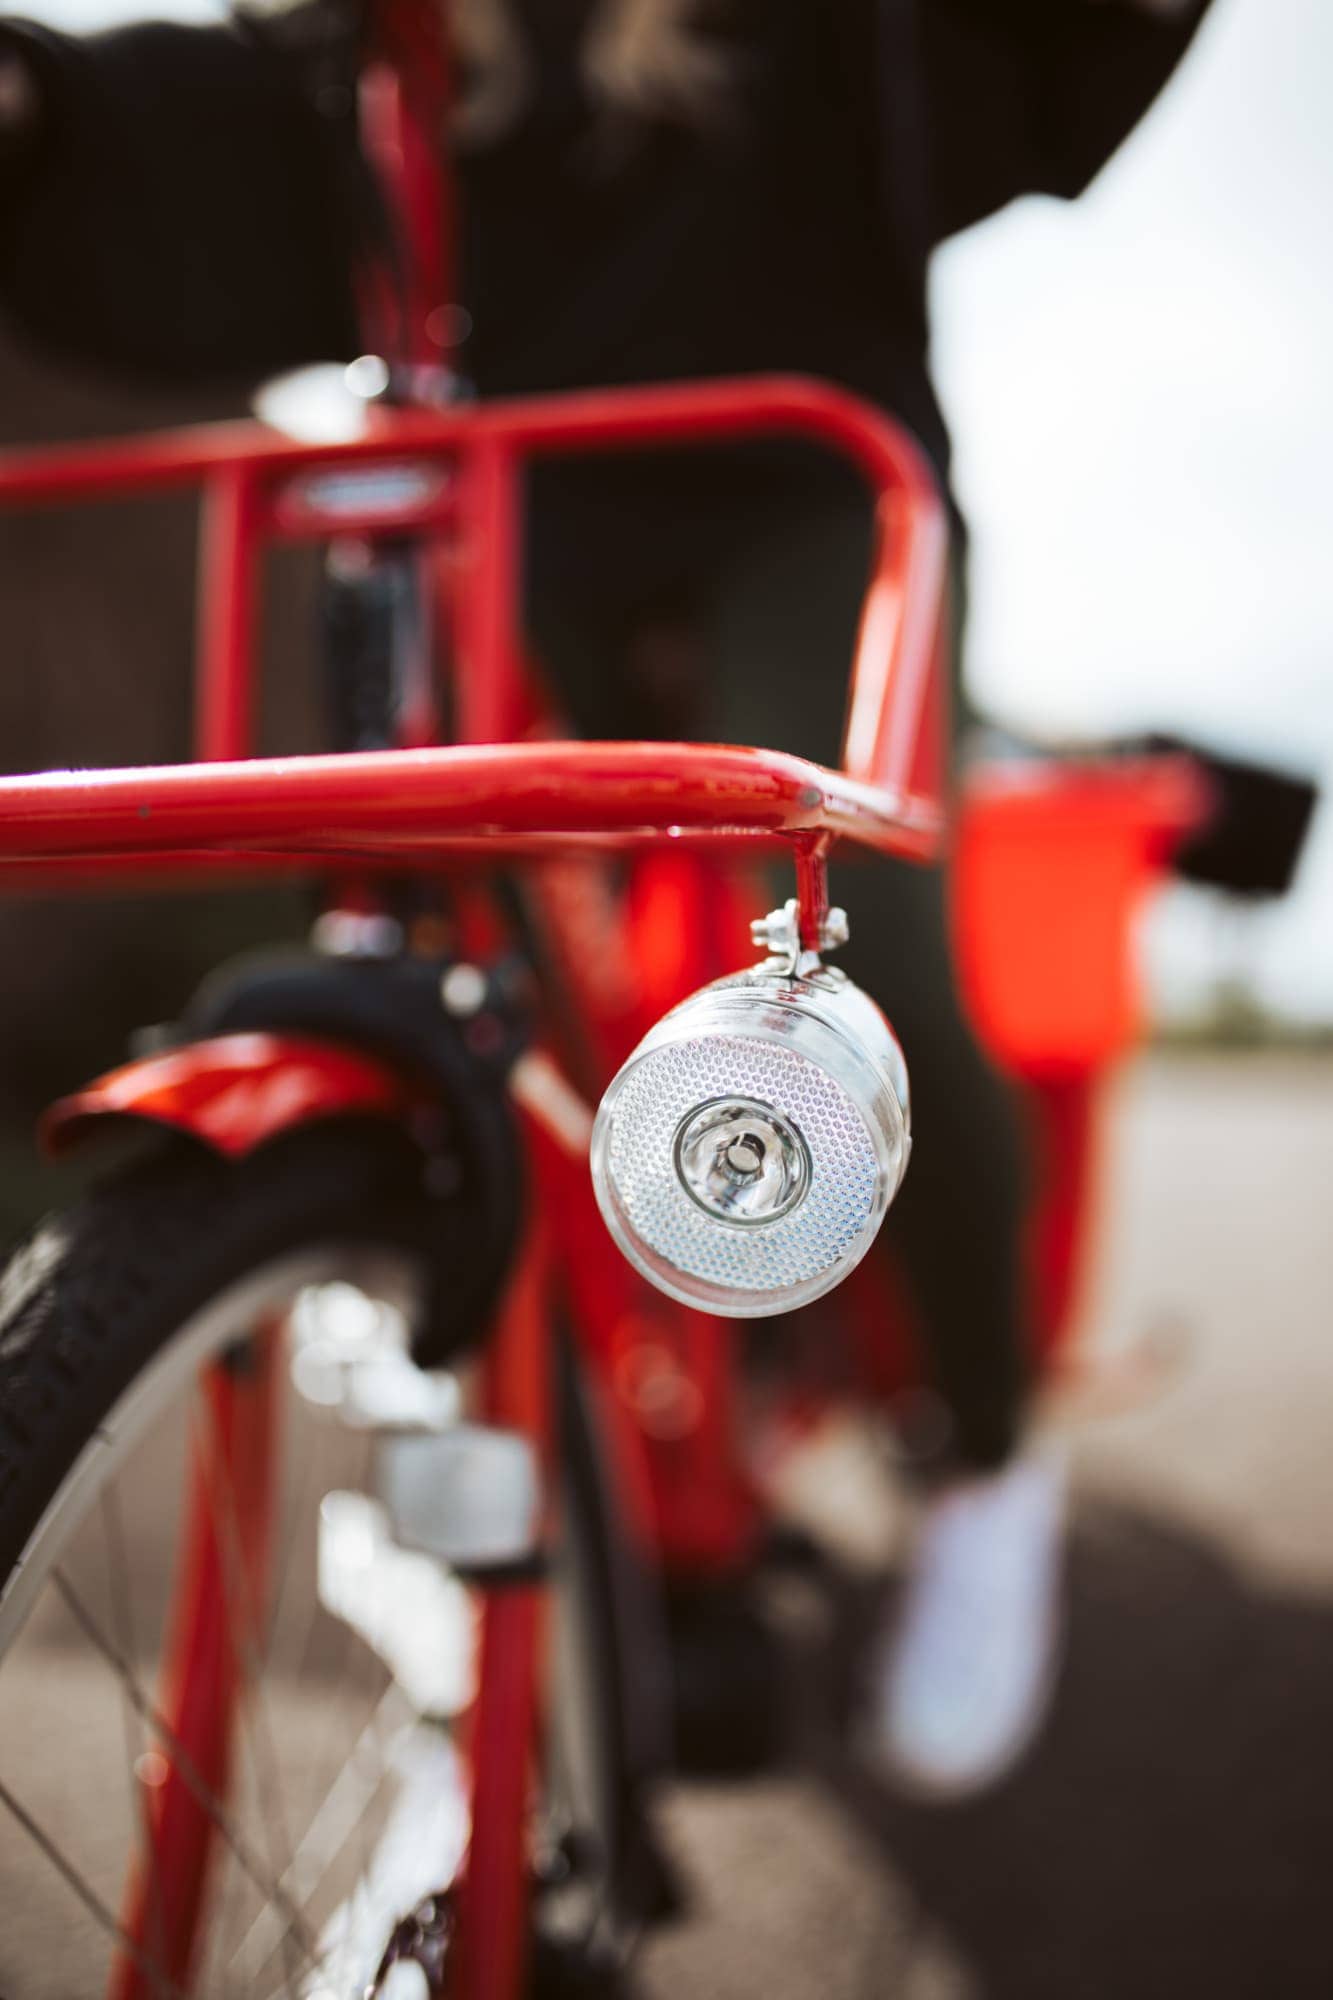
pixel 812 891
pixel 228 615
pixel 217 1623
pixel 590 420
pixel 492 1940
pixel 514 797
pixel 244 467
pixel 490 673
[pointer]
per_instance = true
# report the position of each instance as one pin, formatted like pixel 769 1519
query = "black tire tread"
pixel 94 1292
pixel 91 1294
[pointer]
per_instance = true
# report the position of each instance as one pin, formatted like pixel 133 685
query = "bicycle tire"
pixel 95 1295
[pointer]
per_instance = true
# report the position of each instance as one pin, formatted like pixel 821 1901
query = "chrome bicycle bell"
pixel 745 1155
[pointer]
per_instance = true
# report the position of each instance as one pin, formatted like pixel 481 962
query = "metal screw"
pixel 779 933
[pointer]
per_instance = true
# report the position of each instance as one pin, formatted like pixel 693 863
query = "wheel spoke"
pixel 89 1897
pixel 334 1822
pixel 244 1625
pixel 184 1763
pixel 246 1699
pixel 136 1740
pixel 343 1634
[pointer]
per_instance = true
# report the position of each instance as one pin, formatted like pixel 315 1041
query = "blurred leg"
pixel 963 1676
pixel 726 590
pixel 781 636
pixel 746 591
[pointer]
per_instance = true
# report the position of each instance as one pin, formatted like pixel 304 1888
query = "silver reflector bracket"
pixel 471 1497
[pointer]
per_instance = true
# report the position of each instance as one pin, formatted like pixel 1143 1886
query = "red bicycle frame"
pixel 460 471
pixel 455 477
pixel 453 480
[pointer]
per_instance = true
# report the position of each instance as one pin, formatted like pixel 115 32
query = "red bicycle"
pixel 341 1455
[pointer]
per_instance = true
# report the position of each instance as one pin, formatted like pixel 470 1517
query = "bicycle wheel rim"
pixel 201 1340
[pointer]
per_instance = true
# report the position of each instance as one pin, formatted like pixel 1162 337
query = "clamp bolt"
pixel 779 933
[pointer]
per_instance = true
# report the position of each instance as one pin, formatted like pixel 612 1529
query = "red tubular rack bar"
pixel 258 485
pixel 510 798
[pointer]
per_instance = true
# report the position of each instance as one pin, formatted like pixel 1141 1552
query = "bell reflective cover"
pixel 745 1155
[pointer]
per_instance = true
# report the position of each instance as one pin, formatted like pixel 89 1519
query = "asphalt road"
pixel 1170 1835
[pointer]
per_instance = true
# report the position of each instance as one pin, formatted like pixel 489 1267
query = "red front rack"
pixel 459 472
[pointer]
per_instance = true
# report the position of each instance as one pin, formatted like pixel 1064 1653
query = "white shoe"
pixel 967 1681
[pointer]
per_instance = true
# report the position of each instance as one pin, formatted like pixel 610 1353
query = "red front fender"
pixel 232 1091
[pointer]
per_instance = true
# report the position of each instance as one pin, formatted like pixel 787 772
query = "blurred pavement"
pixel 1170 1837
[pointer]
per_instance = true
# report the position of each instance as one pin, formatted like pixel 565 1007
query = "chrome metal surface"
pixel 745 1154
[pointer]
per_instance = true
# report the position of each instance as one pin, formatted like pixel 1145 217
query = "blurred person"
pixel 654 189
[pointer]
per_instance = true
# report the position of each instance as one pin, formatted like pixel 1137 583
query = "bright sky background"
pixel 1140 386
pixel 1141 390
